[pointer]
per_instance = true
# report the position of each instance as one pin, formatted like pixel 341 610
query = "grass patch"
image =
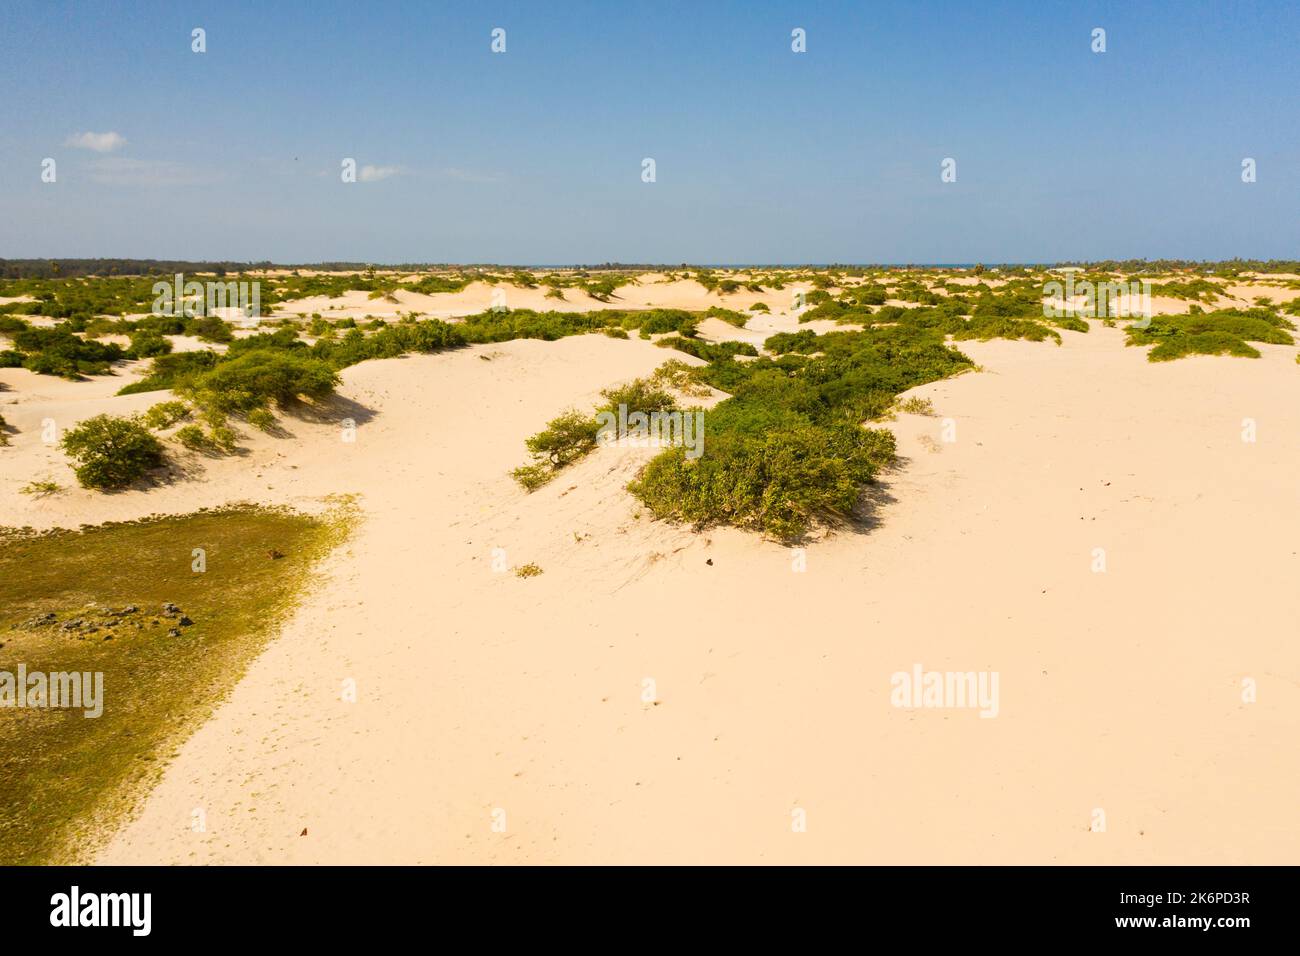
pixel 63 777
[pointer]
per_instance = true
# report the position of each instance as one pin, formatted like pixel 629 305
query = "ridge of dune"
pixel 485 698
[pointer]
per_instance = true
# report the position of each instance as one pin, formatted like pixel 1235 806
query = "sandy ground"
pixel 479 297
pixel 484 698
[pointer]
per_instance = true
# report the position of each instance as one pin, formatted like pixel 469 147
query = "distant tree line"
pixel 77 268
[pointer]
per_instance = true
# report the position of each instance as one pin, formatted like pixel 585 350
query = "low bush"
pixel 111 452
pixel 776 481
pixel 254 379
pixel 262 419
pixel 147 344
pixel 164 415
pixel 171 371
pixel 58 351
pixel 730 316
pixel 640 395
pixel 708 351
pixel 1223 332
pixel 192 437
pixel 788 448
pixel 565 439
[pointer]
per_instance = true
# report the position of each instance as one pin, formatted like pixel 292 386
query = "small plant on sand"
pixel 4 431
pixel 262 419
pixel 217 439
pixel 916 406
pixel 223 438
pixel 111 452
pixel 759 307
pixel 531 477
pixel 40 489
pixel 565 439
pixel 680 377
pixel 529 570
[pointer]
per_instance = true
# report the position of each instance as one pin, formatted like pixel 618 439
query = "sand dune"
pixel 480 691
pixel 647 293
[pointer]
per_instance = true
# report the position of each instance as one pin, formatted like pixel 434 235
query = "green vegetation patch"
pixel 124 600
pixel 1225 332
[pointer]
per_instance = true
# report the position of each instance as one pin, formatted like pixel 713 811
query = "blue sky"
pixel 762 154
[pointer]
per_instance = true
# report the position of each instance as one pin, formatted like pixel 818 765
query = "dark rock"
pixel 184 622
pixel 173 632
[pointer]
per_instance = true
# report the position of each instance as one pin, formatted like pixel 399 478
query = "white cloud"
pixel 99 142
pixel 372 174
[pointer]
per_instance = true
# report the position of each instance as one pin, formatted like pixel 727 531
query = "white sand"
pixel 479 690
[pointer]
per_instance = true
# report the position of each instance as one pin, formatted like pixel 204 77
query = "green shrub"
pixel 171 371
pixel 565 439
pixel 787 448
pixel 192 437
pixel 164 415
pixel 639 395
pixel 774 481
pixel 111 452
pixel 210 329
pixel 262 418
pixel 252 379
pixel 147 344
pixel 533 476
pixel 730 316
pixel 1223 332
pixel 223 438
pixel 58 351
pixel 708 351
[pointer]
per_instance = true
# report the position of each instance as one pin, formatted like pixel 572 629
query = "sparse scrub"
pixel 916 405
pixel 40 488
